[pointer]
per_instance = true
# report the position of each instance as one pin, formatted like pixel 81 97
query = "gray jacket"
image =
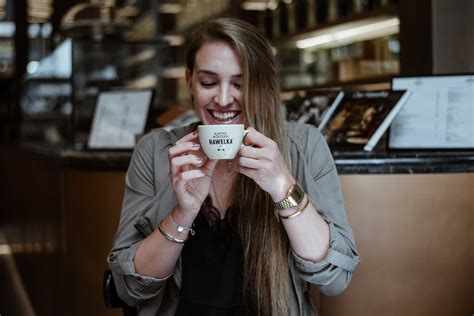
pixel 149 198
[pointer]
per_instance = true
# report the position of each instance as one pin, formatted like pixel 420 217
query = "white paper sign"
pixel 439 113
pixel 119 116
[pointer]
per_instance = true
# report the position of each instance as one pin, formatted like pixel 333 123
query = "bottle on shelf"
pixel 284 18
pixel 367 5
pixel 301 10
pixel 333 13
pixel 268 21
pixel 321 13
pixel 345 8
pixel 276 22
pixel 291 17
pixel 311 13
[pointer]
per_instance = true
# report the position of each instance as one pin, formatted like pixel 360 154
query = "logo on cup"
pixel 221 141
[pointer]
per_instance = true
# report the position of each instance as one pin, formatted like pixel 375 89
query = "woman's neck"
pixel 222 183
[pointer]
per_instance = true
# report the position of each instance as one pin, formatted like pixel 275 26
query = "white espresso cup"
pixel 221 141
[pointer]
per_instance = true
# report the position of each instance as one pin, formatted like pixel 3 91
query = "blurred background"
pixel 412 211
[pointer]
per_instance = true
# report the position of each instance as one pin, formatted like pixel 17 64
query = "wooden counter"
pixel 415 234
pixel 414 231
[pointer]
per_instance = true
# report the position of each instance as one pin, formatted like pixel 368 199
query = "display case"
pixel 340 42
pixel 60 97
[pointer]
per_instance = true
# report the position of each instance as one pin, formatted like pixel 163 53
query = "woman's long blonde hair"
pixel 266 278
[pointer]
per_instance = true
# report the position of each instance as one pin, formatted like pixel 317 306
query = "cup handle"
pixel 245 135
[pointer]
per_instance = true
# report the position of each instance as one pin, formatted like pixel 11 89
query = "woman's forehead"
pixel 217 57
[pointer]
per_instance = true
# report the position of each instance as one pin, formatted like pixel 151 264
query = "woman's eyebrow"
pixel 211 73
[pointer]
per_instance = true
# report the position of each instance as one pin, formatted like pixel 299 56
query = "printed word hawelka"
pixel 221 138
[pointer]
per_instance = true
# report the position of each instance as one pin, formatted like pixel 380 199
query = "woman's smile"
pixel 224 116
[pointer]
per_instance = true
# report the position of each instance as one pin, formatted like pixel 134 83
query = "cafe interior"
pixel 408 184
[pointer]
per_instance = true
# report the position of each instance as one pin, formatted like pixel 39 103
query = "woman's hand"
pixel 191 173
pixel 264 163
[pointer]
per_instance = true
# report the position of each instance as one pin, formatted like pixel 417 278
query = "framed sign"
pixel 360 118
pixel 119 116
pixel 438 115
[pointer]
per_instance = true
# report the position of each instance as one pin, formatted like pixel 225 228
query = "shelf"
pixel 189 29
pixel 47 80
pixel 346 22
pixel 336 83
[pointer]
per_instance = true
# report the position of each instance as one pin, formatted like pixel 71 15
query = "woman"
pixel 265 224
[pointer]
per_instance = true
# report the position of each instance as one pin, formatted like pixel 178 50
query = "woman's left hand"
pixel 264 163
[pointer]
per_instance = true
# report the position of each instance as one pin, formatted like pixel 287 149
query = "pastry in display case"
pixel 310 106
pixel 360 118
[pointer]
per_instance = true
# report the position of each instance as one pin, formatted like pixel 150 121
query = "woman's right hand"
pixel 191 173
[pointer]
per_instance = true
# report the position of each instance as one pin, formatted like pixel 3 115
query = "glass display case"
pixel 60 96
pixel 348 44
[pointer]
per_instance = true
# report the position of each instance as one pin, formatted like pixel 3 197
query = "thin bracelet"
pixel 181 228
pixel 168 236
pixel 298 212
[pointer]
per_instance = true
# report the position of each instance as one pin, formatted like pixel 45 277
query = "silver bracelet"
pixel 168 236
pixel 181 228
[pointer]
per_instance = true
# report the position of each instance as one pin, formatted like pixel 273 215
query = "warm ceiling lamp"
pixel 351 32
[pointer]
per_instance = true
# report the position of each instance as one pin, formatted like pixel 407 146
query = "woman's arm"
pixel 323 246
pixel 308 232
pixel 140 266
pixel 191 176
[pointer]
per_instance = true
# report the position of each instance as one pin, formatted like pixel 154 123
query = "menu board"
pixel 119 117
pixel 438 114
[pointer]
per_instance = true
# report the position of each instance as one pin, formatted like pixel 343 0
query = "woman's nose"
pixel 224 97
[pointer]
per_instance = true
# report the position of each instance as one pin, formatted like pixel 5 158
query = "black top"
pixel 212 267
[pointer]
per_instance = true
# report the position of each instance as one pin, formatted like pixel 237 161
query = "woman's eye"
pixel 238 85
pixel 207 84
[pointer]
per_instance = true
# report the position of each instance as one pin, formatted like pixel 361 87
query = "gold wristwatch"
pixel 294 197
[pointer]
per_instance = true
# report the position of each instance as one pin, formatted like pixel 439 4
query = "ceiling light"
pixel 171 8
pixel 351 32
pixel 259 5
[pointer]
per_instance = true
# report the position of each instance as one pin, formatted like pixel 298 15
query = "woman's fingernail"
pixel 196 145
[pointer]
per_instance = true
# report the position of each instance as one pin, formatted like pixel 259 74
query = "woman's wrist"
pixel 177 225
pixel 184 216
pixel 281 189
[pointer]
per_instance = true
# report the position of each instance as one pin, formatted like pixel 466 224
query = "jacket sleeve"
pixel 334 272
pixel 139 197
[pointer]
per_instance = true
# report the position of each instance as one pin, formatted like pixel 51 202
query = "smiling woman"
pixel 263 230
pixel 215 84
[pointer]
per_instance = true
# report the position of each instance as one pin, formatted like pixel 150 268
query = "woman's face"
pixel 216 84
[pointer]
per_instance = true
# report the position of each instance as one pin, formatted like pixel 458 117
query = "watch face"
pixel 295 196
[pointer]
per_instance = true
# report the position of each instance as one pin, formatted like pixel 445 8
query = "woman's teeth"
pixel 224 116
